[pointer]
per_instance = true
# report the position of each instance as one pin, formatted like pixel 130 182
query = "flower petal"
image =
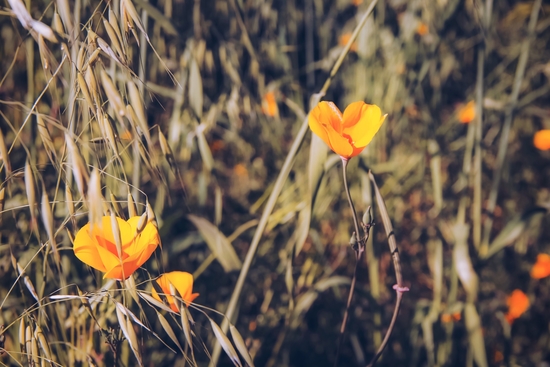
pixel 85 249
pixel 518 303
pixel 144 243
pixel 182 282
pixel 111 262
pixel 541 269
pixel 368 125
pixel 325 120
pixel 541 140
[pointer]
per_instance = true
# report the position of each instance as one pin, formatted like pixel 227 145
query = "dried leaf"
pixel 218 243
pixel 240 344
pixel 225 343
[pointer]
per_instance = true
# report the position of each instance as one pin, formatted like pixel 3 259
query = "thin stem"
pixel 352 207
pixel 359 247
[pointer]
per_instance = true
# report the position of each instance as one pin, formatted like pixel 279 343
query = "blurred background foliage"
pixel 225 87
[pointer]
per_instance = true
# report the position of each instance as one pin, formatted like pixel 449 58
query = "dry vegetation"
pixel 192 114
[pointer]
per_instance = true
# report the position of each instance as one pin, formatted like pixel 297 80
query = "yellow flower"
pixel 348 134
pixel 97 247
pixel 182 282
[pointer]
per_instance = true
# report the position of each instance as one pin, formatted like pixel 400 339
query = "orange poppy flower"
pixel 541 140
pixel 518 303
pixel 422 29
pixel 348 134
pixel 97 247
pixel 344 39
pixel 447 317
pixel 269 105
pixel 182 282
pixel 467 113
pixel 541 269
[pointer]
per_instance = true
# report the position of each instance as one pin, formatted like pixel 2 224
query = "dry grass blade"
pixel 475 334
pixel 513 230
pixel 113 21
pixel 95 200
pixel 137 106
pixel 167 151
pixel 218 243
pixel 115 41
pixel 47 140
pixel 47 219
pixel 112 94
pixel 31 195
pixel 109 133
pixel 22 328
pixel 28 344
pixel 225 343
pixel 80 171
pixel 27 282
pixel 91 82
pixel 84 89
pixel 116 206
pixel 116 235
pixel 2 201
pixel 46 350
pixel 155 302
pixel 463 262
pixel 129 333
pixel 21 13
pixel 35 355
pixel 4 154
pixel 57 24
pixel 186 326
pixel 168 329
pixel 132 210
pixel 195 88
pixel 240 344
pixel 204 149
pixel 70 204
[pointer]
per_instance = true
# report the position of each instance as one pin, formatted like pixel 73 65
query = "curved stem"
pixel 400 288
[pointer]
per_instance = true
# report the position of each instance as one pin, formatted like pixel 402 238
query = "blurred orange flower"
pixel 348 134
pixel 344 39
pixel 182 282
pixel 269 105
pixel 467 113
pixel 97 248
pixel 357 2
pixel 422 29
pixel 541 269
pixel 542 140
pixel 447 317
pixel 518 303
